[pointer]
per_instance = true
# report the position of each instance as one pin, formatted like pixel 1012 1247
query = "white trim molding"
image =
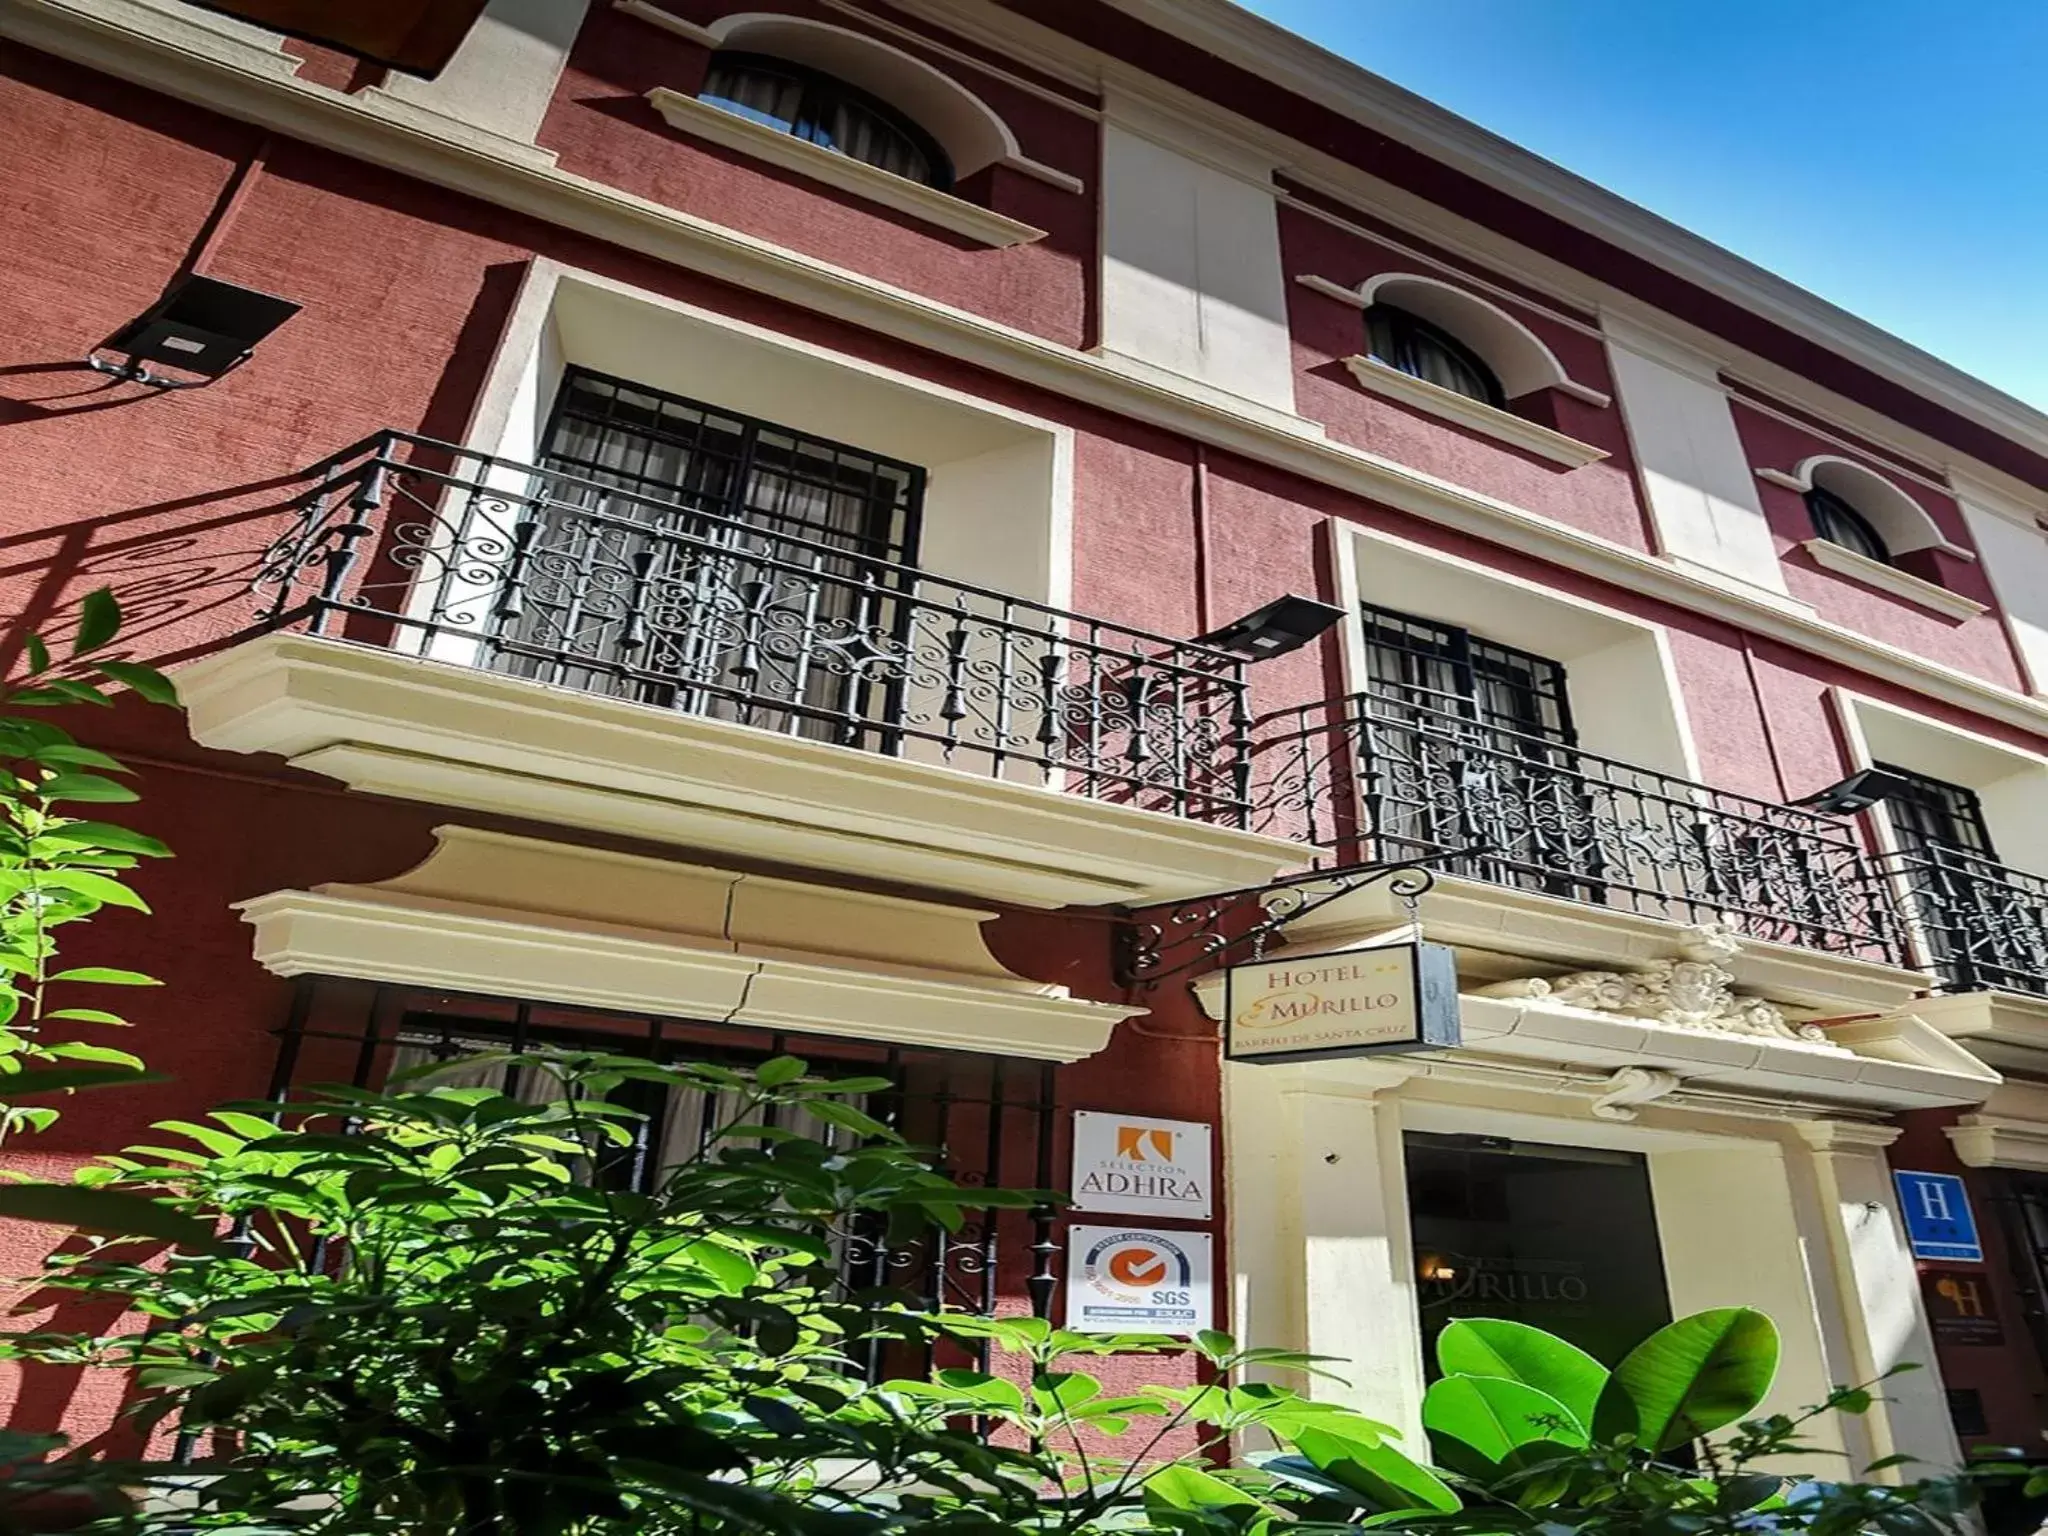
pixel 1906 525
pixel 1533 366
pixel 461 736
pixel 558 922
pixel 1920 592
pixel 2009 1131
pixel 729 130
pixel 1004 151
pixel 1462 410
pixel 668 21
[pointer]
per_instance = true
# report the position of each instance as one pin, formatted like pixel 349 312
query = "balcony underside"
pixel 464 737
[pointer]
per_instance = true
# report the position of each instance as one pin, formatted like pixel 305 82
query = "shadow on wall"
pixel 185 583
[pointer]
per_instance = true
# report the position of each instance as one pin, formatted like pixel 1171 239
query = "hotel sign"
pixel 1357 1002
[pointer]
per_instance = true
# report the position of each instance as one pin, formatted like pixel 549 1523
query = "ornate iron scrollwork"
pixel 1173 938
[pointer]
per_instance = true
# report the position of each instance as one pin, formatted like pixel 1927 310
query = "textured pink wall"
pixel 1978 645
pixel 1600 498
pixel 603 129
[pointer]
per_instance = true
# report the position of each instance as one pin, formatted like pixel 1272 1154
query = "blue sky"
pixel 1890 155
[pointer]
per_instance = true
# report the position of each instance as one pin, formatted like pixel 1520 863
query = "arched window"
pixel 1839 523
pixel 810 105
pixel 1428 352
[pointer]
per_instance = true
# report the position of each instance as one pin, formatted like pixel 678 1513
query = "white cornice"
pixel 1844 561
pixel 1297 65
pixel 1449 405
pixel 460 736
pixel 343 124
pixel 308 933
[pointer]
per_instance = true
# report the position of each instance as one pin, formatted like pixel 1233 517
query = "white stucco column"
pixel 1319 1241
pixel 1696 477
pixel 502 78
pixel 1191 273
pixel 1885 1323
pixel 1728 1221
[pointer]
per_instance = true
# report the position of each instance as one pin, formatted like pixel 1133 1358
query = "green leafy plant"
pixel 1531 1434
pixel 60 864
pixel 442 1310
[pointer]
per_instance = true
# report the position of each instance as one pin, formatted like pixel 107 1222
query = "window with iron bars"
pixel 988 1120
pixel 1465 725
pixel 731 544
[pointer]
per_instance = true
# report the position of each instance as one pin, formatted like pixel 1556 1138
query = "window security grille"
pixel 733 544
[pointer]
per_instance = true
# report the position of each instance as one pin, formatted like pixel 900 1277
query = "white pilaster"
pixel 503 77
pixel 1191 280
pixel 1696 478
pixel 1319 1234
pixel 1886 1324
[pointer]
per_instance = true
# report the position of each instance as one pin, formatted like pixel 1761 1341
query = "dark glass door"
pixel 1561 1238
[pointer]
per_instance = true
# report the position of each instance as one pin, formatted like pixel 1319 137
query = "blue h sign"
pixel 1939 1223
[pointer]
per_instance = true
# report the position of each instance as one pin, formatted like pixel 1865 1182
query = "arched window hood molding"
pixel 1900 519
pixel 973 136
pixel 1519 358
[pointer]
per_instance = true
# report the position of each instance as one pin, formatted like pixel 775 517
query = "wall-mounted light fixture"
pixel 1283 625
pixel 1858 792
pixel 201 326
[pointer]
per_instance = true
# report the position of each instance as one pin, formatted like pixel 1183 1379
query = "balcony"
pixel 700 679
pixel 1374 776
pixel 1978 925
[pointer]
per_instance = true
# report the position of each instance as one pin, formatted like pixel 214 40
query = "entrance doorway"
pixel 1561 1238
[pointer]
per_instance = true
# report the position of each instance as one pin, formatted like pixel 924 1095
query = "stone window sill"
pixel 1449 405
pixel 1889 578
pixel 729 130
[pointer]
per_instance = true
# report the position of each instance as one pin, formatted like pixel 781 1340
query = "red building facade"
pixel 722 541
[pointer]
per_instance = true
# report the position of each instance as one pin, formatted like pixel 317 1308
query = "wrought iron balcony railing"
pixel 1373 776
pixel 426 547
pixel 1976 924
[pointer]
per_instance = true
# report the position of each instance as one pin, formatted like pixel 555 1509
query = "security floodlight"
pixel 202 326
pixel 1858 792
pixel 1283 625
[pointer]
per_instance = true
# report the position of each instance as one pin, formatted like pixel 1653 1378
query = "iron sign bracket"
pixel 1171 938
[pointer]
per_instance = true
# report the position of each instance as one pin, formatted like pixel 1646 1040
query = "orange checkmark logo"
pixel 1137 1266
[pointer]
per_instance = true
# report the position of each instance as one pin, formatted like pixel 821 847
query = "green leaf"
pixel 1493 1418
pixel 84 786
pixel 1380 1473
pixel 780 1071
pixel 38 655
pixel 107 976
pixel 1064 1391
pixel 27 1084
pixel 64 690
pixel 981 1390
pixel 1179 1486
pixel 1214 1344
pixel 88 1016
pixel 70 752
pixel 97 887
pixel 146 681
pixel 1690 1378
pixel 106 1211
pixel 847 1118
pixel 99 620
pixel 105 834
pixel 99 1055
pixel 1486 1346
